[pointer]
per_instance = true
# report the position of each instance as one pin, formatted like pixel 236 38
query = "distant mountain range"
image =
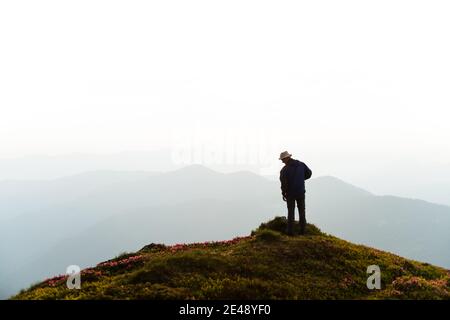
pixel 47 225
pixel 53 167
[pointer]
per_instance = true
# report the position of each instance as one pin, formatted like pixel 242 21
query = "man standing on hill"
pixel 292 178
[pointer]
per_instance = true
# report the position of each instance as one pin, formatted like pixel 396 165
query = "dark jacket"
pixel 292 178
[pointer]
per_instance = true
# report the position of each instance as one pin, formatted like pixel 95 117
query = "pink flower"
pixel 126 261
pixel 183 246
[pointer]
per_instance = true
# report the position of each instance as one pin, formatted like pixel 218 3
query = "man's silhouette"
pixel 292 178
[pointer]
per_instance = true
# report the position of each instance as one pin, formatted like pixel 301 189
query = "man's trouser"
pixel 291 213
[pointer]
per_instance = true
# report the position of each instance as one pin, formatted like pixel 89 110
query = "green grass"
pixel 266 265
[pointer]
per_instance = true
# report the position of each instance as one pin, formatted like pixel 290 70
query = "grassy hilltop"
pixel 265 265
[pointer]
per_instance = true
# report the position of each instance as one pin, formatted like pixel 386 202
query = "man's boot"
pixel 289 229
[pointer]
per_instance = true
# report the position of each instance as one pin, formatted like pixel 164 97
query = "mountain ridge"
pixel 267 264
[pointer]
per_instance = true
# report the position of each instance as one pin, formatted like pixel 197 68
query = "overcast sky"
pixel 353 87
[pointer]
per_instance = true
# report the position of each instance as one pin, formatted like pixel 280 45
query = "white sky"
pixel 348 85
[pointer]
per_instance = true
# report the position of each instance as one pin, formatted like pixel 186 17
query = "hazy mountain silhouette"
pixel 413 228
pixel 53 167
pixel 85 218
pixel 41 194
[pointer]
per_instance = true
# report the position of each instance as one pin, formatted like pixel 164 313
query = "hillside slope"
pixel 265 265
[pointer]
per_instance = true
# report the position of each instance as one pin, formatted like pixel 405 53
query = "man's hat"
pixel 285 154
